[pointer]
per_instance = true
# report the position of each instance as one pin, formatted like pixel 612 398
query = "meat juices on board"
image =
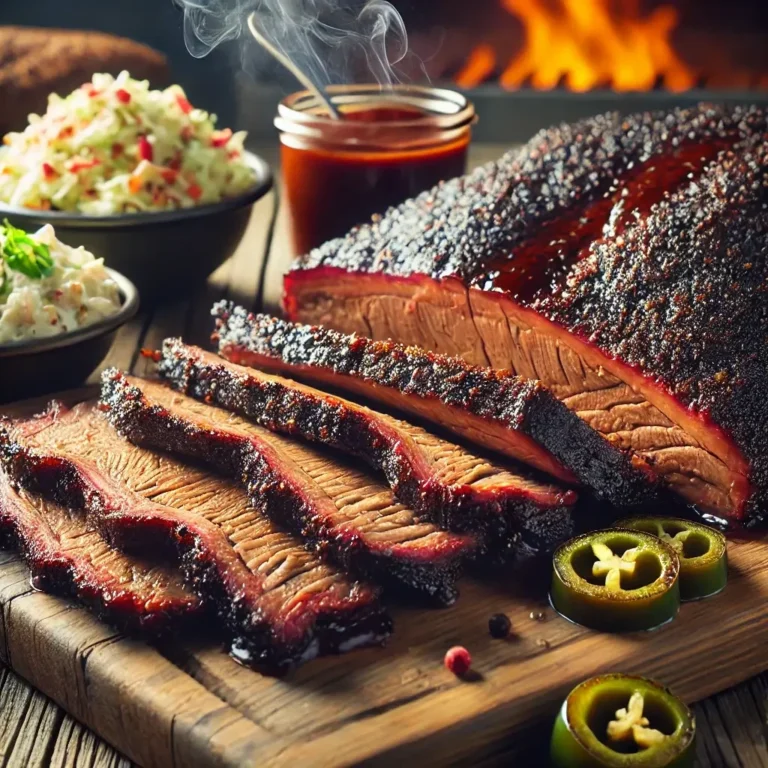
pixel 279 603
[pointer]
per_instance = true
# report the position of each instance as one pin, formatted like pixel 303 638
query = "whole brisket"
pixel 495 409
pixel 439 480
pixel 620 261
pixel 68 557
pixel 337 509
pixel 279 604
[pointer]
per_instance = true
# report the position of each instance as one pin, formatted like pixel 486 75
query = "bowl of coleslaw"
pixel 138 176
pixel 60 309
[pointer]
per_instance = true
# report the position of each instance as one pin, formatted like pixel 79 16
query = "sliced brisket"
pixel 620 261
pixel 342 512
pixel 492 408
pixel 439 480
pixel 68 557
pixel 279 603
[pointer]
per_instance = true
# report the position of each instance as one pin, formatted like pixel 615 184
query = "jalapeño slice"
pixel 701 549
pixel 622 721
pixel 616 580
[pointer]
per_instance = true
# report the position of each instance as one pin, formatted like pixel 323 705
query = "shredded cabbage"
pixel 113 145
pixel 75 292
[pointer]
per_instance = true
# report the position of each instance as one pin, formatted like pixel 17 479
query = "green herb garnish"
pixel 25 254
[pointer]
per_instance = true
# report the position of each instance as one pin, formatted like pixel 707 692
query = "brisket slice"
pixel 495 409
pixel 68 557
pixel 620 261
pixel 340 511
pixel 439 480
pixel 279 604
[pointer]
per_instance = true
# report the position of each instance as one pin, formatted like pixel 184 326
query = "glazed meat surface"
pixel 279 603
pixel 450 484
pixel 68 556
pixel 619 261
pixel 346 514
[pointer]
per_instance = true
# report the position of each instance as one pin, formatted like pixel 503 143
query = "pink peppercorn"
pixel 458 660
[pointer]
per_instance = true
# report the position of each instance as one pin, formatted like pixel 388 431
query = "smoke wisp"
pixel 331 40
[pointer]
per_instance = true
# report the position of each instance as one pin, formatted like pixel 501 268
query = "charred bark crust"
pixel 682 296
pixel 501 515
pixel 462 225
pixel 166 534
pixel 58 572
pixel 516 404
pixel 278 496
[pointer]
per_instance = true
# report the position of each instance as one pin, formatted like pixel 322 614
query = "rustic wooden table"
pixel 34 731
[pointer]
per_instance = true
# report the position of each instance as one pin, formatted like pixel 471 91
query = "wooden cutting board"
pixel 186 703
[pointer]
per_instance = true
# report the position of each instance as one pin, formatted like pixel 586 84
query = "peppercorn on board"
pixel 192 704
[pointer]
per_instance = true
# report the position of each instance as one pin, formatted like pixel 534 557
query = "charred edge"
pixel 274 494
pixel 252 640
pixel 516 404
pixel 609 472
pixel 680 297
pixel 62 481
pixel 460 226
pixel 324 419
pixel 54 572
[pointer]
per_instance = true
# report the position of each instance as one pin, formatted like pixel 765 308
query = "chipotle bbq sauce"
pixel 338 173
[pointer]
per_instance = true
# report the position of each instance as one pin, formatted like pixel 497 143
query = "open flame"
pixel 586 44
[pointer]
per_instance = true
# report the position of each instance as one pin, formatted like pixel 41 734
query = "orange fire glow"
pixel 586 44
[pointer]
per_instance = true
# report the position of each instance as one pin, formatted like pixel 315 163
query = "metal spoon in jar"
pixel 301 76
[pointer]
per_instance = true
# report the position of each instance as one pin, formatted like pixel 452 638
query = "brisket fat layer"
pixel 620 260
pixel 495 409
pixel 279 604
pixel 343 513
pixel 68 557
pixel 439 480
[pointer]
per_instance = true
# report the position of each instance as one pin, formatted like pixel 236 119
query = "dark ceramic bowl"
pixel 31 368
pixel 164 253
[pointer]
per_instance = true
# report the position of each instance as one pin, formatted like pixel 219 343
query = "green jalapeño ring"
pixel 702 551
pixel 616 581
pixel 622 721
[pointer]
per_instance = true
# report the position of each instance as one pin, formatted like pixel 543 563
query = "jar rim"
pixel 441 112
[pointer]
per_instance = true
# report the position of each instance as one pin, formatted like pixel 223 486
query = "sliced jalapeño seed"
pixel 622 721
pixel 702 551
pixel 616 580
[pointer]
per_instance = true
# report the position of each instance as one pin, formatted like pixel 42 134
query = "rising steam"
pixel 331 40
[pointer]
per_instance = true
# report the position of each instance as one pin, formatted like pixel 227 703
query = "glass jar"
pixel 389 146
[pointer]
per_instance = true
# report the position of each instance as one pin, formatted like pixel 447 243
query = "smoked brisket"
pixel 68 557
pixel 439 480
pixel 620 260
pixel 338 510
pixel 495 409
pixel 279 604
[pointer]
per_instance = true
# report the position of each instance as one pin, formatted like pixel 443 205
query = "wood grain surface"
pixel 187 703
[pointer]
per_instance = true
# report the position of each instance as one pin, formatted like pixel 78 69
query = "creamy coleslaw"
pixel 115 146
pixel 48 288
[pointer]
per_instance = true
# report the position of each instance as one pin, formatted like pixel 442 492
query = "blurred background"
pixel 527 63
pixel 157 23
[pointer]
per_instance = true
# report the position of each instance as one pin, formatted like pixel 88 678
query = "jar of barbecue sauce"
pixel 389 145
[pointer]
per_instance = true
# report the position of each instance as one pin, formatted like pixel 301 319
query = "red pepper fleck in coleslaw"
pixel 115 146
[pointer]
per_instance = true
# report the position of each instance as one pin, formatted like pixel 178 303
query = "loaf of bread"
pixel 35 62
